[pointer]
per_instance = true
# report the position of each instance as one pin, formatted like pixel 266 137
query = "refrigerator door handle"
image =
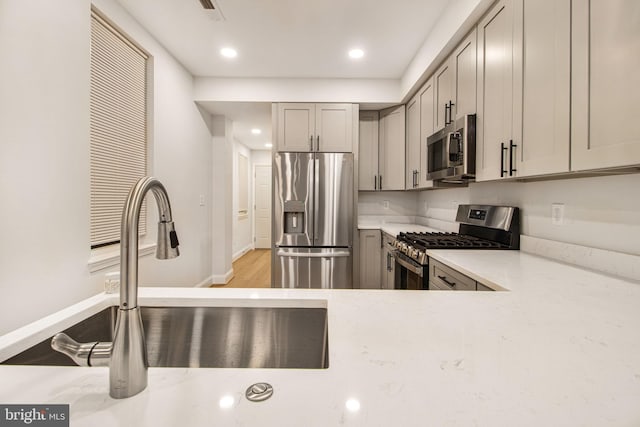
pixel 313 254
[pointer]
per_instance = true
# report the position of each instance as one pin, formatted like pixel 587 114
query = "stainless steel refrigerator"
pixel 313 220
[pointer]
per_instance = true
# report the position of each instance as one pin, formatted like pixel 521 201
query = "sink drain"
pixel 259 392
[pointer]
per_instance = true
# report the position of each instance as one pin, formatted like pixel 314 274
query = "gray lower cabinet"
pixel 444 278
pixel 388 262
pixel 370 245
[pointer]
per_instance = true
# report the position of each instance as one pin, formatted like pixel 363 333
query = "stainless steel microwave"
pixel 451 152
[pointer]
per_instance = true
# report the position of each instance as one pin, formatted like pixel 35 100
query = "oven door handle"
pixel 409 266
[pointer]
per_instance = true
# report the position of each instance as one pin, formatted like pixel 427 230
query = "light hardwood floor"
pixel 252 270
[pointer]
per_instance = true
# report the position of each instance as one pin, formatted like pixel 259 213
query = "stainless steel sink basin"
pixel 209 337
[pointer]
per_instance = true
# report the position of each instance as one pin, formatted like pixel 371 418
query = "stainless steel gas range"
pixel 481 227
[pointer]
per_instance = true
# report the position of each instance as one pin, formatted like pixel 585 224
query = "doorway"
pixel 262 205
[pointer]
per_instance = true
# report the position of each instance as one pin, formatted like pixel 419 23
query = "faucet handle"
pixel 167 247
pixel 83 354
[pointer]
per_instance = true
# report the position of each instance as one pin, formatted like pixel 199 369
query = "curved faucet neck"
pixel 129 236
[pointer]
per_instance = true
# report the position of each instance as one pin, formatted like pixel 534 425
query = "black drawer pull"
pixel 444 279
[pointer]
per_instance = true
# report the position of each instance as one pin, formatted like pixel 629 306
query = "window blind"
pixel 118 129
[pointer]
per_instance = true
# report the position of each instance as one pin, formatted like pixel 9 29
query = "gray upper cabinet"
pixel 465 65
pixel 391 158
pixel 523 92
pixel 444 80
pixel 413 144
pixel 382 149
pixel 605 84
pixel 542 76
pixel 426 99
pixel 368 151
pixel 314 127
pixel 420 125
pixel 455 83
pixel 494 124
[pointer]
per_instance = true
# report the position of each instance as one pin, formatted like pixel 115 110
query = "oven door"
pixel 409 274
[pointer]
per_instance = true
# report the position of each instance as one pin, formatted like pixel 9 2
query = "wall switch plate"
pixel 557 214
pixel 385 204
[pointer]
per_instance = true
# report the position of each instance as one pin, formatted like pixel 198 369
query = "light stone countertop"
pixel 394 228
pixel 561 348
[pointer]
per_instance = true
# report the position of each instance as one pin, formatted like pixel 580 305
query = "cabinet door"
pixel 370 244
pixel 389 274
pixel 605 84
pixel 427 115
pixel 368 151
pixel 495 91
pixel 542 83
pixel 465 62
pixel 413 143
pixel 392 147
pixel 444 91
pixel 296 127
pixel 334 128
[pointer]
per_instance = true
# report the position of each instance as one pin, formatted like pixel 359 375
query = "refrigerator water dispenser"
pixel 294 216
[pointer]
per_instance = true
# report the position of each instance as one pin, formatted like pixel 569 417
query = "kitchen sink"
pixel 209 337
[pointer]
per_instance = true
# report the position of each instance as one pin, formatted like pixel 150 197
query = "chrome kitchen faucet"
pixel 126 356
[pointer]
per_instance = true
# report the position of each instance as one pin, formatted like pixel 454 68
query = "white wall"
pixel 222 221
pixel 458 18
pixel 44 167
pixel 297 90
pixel 600 212
pixel 401 203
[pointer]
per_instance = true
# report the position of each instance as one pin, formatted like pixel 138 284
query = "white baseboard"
pixel 205 283
pixel 243 251
pixel 222 279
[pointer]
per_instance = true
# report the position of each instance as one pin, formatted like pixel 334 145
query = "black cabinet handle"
pixel 511 150
pixel 375 182
pixel 502 150
pixel 446 108
pixel 380 181
pixel 311 142
pixel 318 143
pixel 451 104
pixel 444 279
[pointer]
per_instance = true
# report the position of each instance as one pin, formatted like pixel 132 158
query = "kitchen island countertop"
pixel 561 348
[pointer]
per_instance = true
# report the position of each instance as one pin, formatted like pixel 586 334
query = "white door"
pixel 262 192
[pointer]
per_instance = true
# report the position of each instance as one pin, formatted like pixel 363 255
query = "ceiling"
pixel 289 39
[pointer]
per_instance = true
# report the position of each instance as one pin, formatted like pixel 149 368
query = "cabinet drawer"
pixel 444 277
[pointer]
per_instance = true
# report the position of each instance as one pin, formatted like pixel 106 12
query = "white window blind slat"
pixel 118 111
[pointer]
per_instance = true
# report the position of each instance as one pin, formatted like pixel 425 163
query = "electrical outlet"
pixel 385 204
pixel 557 214
pixel 202 200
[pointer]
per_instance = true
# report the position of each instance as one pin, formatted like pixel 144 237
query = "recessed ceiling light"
pixel 268 145
pixel 256 131
pixel 228 52
pixel 356 53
